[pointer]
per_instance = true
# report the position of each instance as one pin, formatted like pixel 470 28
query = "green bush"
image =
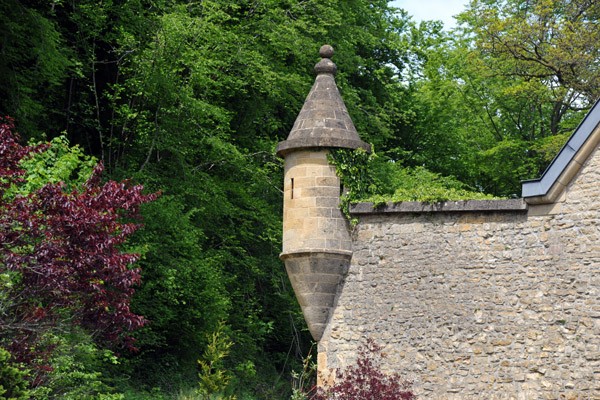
pixel 214 379
pixel 77 364
pixel 13 385
pixel 61 162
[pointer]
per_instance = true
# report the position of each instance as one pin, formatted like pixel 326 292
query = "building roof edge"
pixel 567 162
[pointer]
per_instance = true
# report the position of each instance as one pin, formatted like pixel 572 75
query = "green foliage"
pixel 13 385
pixel 8 280
pixel 303 382
pixel 34 64
pixel 495 91
pixel 183 288
pixel 59 163
pixel 547 148
pixel 214 380
pixel 548 42
pixel 76 369
pixel 420 184
pixel 379 180
pixel 490 102
pixel 353 169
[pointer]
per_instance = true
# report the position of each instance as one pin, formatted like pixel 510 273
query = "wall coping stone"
pixel 518 205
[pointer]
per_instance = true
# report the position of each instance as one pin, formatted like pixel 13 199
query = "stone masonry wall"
pixel 479 305
pixel 312 218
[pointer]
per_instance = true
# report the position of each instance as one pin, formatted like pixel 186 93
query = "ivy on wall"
pixel 373 178
pixel 352 167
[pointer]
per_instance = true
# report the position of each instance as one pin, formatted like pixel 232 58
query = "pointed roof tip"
pixel 324 120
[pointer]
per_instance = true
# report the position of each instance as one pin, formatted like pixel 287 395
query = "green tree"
pixel 548 42
pixel 34 65
pixel 494 100
pixel 531 69
pixel 214 380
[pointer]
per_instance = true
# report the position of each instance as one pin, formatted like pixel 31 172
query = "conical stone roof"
pixel 324 120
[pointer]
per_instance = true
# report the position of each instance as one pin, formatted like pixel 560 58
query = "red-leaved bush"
pixel 365 381
pixel 60 256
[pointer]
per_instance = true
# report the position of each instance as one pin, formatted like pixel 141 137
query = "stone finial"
pixel 326 66
pixel 326 51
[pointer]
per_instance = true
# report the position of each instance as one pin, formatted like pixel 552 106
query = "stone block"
pixel 545 209
pixel 365 235
pixel 303 182
pixel 325 278
pixel 302 203
pixel 294 171
pixel 314 170
pixel 326 288
pixel 329 202
pixel 316 244
pixel 346 245
pixel 329 181
pixel 294 224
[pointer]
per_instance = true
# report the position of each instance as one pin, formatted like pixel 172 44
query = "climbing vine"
pixel 352 166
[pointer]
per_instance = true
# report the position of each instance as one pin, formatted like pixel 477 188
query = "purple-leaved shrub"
pixel 365 381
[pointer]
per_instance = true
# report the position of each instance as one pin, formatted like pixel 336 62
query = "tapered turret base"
pixel 316 277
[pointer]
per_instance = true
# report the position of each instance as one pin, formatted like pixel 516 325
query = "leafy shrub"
pixel 214 379
pixel 61 261
pixel 420 184
pixel 13 385
pixel 58 163
pixel 74 369
pixel 366 381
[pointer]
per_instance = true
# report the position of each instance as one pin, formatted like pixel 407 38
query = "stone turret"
pixel 316 240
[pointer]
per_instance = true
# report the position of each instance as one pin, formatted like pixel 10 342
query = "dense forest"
pixel 188 100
